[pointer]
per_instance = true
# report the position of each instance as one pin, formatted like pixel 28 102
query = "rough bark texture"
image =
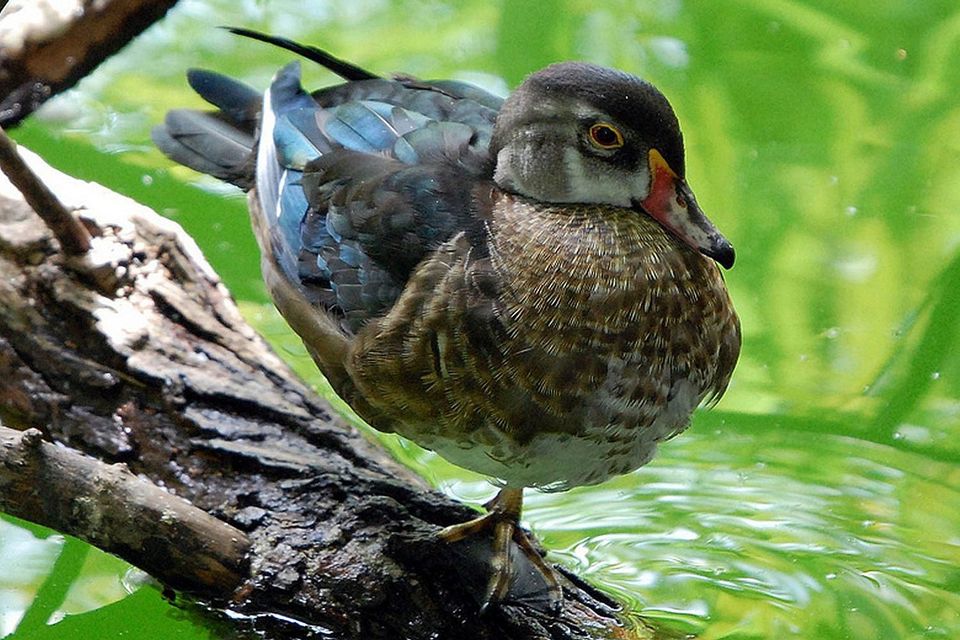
pixel 47 46
pixel 135 353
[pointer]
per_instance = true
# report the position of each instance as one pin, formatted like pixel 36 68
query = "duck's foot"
pixel 503 518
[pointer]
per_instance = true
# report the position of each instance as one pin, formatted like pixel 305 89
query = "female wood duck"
pixel 527 287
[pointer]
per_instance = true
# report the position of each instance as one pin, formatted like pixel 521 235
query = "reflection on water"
pixel 53 586
pixel 47 577
pixel 822 498
pixel 20 580
pixel 781 542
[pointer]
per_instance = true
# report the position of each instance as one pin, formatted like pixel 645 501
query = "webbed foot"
pixel 503 519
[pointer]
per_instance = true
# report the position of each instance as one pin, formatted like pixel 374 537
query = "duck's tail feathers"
pixel 218 143
pixel 344 69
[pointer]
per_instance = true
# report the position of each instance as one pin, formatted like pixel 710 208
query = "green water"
pixel 821 498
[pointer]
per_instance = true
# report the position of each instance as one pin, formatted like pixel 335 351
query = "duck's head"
pixel 581 133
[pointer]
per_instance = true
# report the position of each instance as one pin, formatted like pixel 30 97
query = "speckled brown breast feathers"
pixel 587 326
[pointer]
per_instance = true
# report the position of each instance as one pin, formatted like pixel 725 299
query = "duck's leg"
pixel 503 517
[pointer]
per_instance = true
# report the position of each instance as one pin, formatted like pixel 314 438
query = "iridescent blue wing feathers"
pixel 356 183
pixel 385 185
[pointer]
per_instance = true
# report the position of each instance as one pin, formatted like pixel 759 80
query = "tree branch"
pixel 74 238
pixel 47 46
pixel 111 508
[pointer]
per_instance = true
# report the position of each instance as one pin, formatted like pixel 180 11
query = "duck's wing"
pixel 358 183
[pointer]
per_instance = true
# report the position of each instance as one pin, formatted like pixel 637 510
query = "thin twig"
pixel 73 237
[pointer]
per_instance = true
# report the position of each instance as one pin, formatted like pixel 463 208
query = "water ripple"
pixel 850 536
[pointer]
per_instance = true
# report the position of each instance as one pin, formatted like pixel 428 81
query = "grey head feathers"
pixel 540 143
pixel 629 99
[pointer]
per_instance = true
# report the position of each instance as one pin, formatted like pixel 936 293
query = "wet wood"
pixel 135 353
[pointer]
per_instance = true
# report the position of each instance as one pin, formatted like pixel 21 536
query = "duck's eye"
pixel 606 136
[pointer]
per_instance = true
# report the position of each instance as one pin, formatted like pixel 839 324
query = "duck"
pixel 526 286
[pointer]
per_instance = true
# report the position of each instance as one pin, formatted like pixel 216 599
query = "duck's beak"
pixel 671 203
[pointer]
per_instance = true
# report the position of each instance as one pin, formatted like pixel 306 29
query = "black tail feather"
pixel 344 69
pixel 221 143
pixel 216 143
pixel 207 142
pixel 240 102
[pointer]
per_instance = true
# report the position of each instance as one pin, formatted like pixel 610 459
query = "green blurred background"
pixel 821 498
